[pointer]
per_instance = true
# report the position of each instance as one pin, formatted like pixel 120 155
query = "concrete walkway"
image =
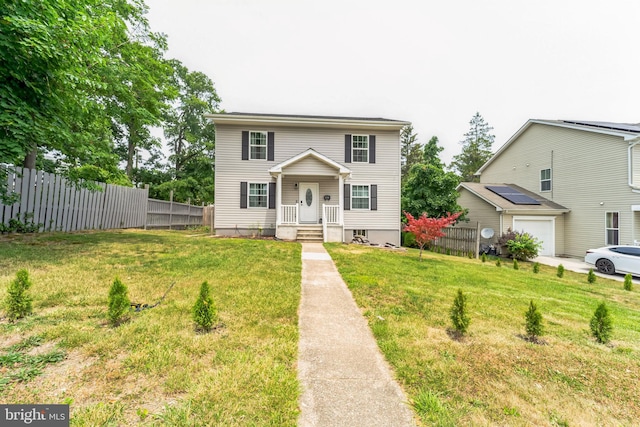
pixel 345 380
pixel 579 266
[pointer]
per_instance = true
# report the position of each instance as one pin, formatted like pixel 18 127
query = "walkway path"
pixel 345 379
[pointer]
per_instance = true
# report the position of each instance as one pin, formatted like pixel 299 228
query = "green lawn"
pixel 155 369
pixel 494 376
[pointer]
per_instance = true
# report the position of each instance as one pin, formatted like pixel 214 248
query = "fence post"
pixel 477 248
pixel 212 214
pixel 188 212
pixel 146 212
pixel 170 209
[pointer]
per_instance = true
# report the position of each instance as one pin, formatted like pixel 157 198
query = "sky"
pixel 432 63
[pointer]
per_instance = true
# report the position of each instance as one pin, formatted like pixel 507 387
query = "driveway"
pixel 578 265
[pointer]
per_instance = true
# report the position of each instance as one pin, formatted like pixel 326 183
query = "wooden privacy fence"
pixel 459 241
pixel 169 214
pixel 60 205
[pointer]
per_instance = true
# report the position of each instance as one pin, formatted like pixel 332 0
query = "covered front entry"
pixel 542 228
pixel 310 192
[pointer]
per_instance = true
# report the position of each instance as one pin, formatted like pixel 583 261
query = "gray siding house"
pixel 584 175
pixel 305 177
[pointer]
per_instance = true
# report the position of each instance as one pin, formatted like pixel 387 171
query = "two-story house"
pixel 573 184
pixel 305 177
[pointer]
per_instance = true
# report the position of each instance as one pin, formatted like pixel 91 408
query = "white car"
pixel 615 259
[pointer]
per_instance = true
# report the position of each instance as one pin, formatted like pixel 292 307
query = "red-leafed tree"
pixel 427 229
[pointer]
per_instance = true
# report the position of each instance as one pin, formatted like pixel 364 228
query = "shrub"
pixel 515 264
pixel 560 271
pixel 601 324
pixel 498 263
pixel 458 313
pixel 18 302
pixel 523 246
pixel 483 257
pixel 119 303
pixel 536 267
pixel 628 283
pixel 591 276
pixel 204 312
pixel 533 324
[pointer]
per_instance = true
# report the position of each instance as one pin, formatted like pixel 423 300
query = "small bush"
pixel 533 324
pixel 536 267
pixel 119 303
pixel 601 324
pixel 18 302
pixel 523 246
pixel 458 313
pixel 515 264
pixel 591 276
pixel 560 271
pixel 204 312
pixel 483 257
pixel 628 283
pixel 498 263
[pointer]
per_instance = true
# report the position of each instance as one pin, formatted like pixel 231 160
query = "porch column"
pixel 278 200
pixel 341 198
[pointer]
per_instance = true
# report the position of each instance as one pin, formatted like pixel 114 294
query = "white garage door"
pixel 541 229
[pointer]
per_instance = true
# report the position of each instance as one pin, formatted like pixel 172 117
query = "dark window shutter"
pixel 245 145
pixel 372 148
pixel 272 195
pixel 270 146
pixel 243 195
pixel 347 148
pixel 347 197
pixel 373 189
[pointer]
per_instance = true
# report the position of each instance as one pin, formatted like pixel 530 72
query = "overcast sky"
pixel 433 63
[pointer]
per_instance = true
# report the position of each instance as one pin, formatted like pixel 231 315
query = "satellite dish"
pixel 486 233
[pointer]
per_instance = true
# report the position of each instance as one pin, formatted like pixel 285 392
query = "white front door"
pixel 308 202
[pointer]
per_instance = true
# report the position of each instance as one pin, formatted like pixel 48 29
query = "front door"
pixel 308 199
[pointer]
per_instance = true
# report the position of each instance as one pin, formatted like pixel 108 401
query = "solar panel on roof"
pixel 512 195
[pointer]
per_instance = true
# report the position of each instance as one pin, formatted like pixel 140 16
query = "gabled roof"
pixel 297 120
pixel 546 206
pixel 342 170
pixel 627 131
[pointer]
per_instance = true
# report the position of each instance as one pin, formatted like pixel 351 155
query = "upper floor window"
pixel 257 195
pixel 612 228
pixel 545 180
pixel 360 148
pixel 257 145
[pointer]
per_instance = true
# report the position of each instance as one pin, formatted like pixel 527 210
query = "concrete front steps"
pixel 310 234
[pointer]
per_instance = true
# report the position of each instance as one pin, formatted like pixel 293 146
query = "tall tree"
pixel 410 152
pixel 476 149
pixel 429 188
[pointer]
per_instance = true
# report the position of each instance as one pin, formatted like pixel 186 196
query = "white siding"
pixel 589 176
pixel 290 141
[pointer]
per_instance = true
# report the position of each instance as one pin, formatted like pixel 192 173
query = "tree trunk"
pixel 30 159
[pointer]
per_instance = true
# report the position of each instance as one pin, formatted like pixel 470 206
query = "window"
pixel 359 197
pixel 360 148
pixel 612 228
pixel 545 180
pixel 258 145
pixel 257 195
pixel 361 233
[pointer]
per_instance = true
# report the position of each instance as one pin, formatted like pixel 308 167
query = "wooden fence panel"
pixel 459 241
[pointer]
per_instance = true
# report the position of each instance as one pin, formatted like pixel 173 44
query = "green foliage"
pixel 515 264
pixel 409 240
pixel 536 267
pixel 17 226
pixel 601 324
pixel 458 313
pixel 628 282
pixel 533 321
pixel 118 302
pixel 560 271
pixel 410 150
pixel 476 149
pixel 18 302
pixel 498 263
pixel 483 257
pixel 523 246
pixel 204 311
pixel 591 276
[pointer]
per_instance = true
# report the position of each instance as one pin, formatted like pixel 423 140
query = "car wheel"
pixel 605 266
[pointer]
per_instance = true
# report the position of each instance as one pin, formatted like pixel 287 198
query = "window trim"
pixel 607 229
pixel 368 208
pixel 549 180
pixel 266 145
pixel 362 234
pixel 353 157
pixel 266 195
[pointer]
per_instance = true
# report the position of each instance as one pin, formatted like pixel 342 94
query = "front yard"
pixel 494 376
pixel 154 369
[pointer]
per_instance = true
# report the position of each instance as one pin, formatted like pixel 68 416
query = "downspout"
pixel 632 143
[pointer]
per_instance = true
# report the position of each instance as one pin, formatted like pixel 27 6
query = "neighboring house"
pixel 584 175
pixel 307 177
